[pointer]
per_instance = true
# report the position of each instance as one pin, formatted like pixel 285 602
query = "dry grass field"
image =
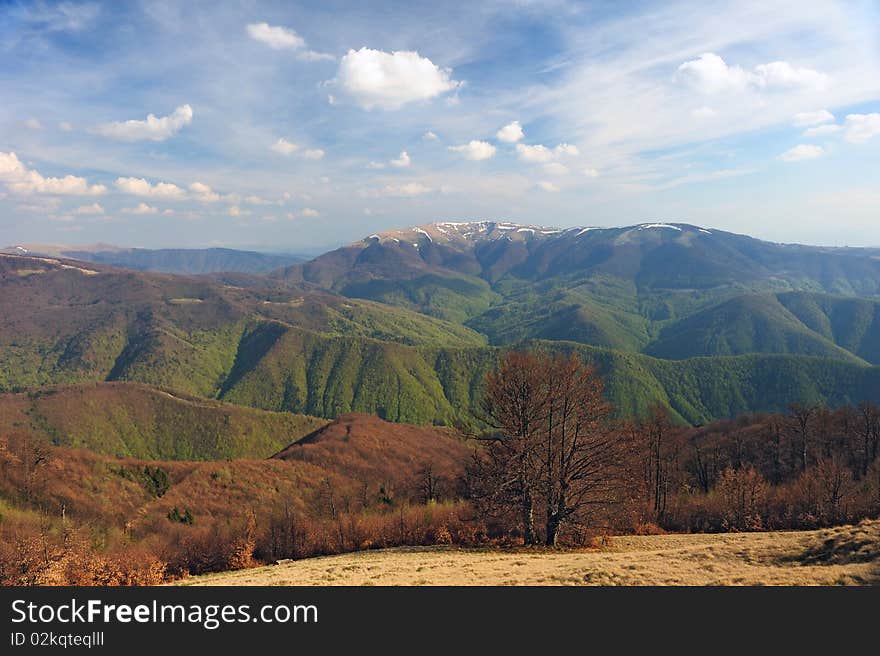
pixel 846 555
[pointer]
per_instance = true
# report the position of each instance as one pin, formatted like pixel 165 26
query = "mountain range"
pixel 168 260
pixel 404 324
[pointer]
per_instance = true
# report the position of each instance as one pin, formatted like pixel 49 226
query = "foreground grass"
pixel 846 555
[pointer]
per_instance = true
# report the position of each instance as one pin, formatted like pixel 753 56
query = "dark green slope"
pixel 745 324
pixel 851 323
pixel 327 376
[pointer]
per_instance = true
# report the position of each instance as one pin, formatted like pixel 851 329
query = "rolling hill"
pixel 137 421
pixel 708 323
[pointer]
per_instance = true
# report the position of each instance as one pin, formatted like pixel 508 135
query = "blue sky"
pixel 295 126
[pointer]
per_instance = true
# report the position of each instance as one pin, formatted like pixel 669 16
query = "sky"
pixel 297 126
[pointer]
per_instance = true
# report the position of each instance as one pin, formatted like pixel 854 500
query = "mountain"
pixel 168 260
pixel 404 325
pixel 657 288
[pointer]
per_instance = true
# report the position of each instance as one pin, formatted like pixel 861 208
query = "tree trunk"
pixel 528 520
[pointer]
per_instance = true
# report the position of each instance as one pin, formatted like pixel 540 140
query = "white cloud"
pixel 859 128
pixel 276 37
pixel 315 153
pixel 782 75
pixel 822 130
pixel 256 200
pixel 548 186
pixel 235 210
pixel 284 38
pixel 709 73
pixel 284 147
pixel 475 150
pixel 429 136
pixel 703 112
pixel 142 208
pixel 510 133
pixel 376 166
pixel 203 193
pixel 408 189
pixel 153 128
pixel 64 126
pixel 591 173
pixel 20 179
pixel 802 152
pixel 537 153
pixel 94 208
pixel 566 149
pixel 806 119
pixel 309 212
pixel 374 78
pixel 555 168
pixel 401 162
pixel 33 124
pixel 141 187
pixel 542 154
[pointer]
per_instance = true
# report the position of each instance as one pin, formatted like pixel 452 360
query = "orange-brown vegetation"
pixel 70 516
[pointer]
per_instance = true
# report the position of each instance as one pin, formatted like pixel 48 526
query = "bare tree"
pixel 552 447
pixel 802 421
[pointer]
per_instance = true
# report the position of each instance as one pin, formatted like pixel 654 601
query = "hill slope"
pixel 133 420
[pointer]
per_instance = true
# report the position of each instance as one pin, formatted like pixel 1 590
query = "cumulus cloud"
pixel 429 136
pixel 22 180
pixel 475 150
pixel 153 128
pixel 374 78
pixel 141 187
pixel 94 208
pixel 542 155
pixel 548 186
pixel 142 208
pixel 709 73
pixel 284 38
pixel 203 193
pixel 64 126
pixel 806 119
pixel 782 75
pixel 510 133
pixel 284 147
pixel 33 124
pixel 401 162
pixel 276 37
pixel 859 128
pixel 802 152
pixel 309 212
pixel 591 173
